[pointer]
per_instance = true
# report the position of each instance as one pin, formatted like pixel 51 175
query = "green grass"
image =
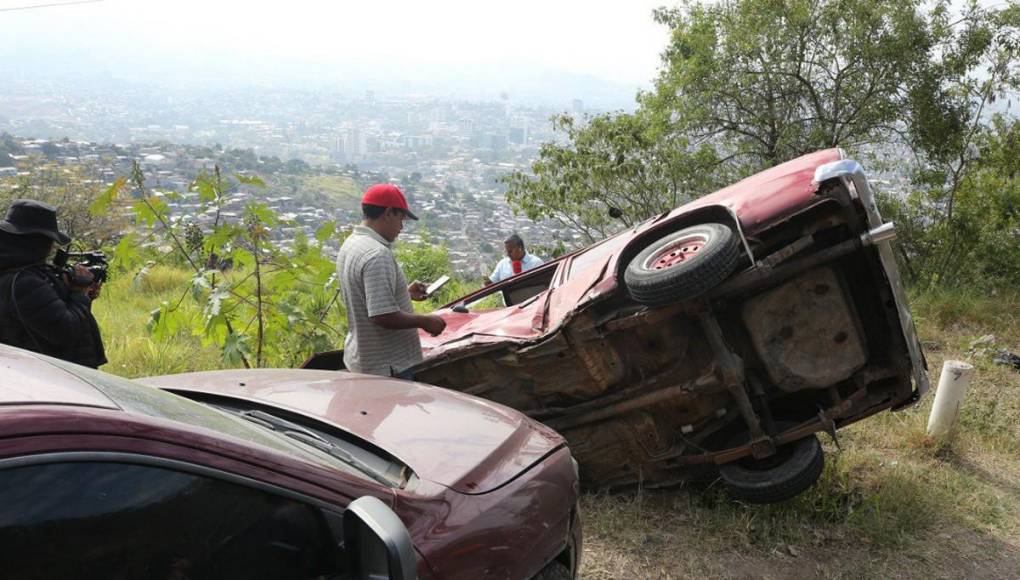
pixel 340 188
pixel 125 309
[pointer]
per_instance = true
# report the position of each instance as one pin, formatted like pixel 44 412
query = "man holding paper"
pixel 383 326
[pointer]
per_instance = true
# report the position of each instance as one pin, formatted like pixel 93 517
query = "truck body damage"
pixel 808 333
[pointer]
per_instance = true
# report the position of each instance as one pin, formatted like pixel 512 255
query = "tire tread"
pixel 711 267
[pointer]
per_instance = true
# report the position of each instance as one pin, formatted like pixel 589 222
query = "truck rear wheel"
pixel 794 468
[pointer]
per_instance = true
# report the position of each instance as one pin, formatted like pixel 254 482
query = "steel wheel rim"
pixel 678 251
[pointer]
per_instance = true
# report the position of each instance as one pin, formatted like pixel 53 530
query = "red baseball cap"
pixel 387 195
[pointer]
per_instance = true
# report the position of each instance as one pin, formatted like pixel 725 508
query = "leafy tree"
pixel 297 167
pixel 774 80
pixel 71 189
pixel 748 84
pixel 962 181
pixel 50 149
pixel 619 163
pixel 979 244
pixel 270 307
pixel 8 144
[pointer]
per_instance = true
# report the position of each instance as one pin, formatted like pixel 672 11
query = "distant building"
pixel 519 135
pixel 353 144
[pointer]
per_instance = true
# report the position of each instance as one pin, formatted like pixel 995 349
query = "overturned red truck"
pixel 718 337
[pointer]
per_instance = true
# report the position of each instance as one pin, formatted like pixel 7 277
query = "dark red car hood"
pixel 462 442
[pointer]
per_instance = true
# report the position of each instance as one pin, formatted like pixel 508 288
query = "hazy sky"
pixel 384 40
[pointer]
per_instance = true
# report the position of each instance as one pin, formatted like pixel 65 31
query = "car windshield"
pixel 142 399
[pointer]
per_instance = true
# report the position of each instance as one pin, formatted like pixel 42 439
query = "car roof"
pixel 31 379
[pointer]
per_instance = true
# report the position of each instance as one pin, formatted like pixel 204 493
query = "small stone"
pixel 794 550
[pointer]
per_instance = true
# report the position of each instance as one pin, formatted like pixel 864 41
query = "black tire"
pixel 794 468
pixel 695 275
pixel 554 571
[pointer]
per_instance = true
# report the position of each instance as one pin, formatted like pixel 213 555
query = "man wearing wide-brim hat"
pixel 41 309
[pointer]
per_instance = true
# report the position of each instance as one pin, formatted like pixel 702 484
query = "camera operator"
pixel 41 308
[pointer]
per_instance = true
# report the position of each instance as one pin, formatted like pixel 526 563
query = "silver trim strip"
pixel 853 175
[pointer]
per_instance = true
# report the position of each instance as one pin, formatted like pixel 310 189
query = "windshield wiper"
pixel 313 439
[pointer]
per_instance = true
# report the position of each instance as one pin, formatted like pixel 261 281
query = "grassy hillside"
pixel 891 503
pixel 339 188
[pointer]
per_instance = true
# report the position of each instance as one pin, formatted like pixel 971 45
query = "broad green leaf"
pixel 102 203
pixel 243 259
pixel 126 254
pixel 261 212
pixel 144 213
pixel 326 231
pixel 235 348
pixel 250 180
pixel 206 188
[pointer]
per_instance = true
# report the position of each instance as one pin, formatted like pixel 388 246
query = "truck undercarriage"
pixel 807 339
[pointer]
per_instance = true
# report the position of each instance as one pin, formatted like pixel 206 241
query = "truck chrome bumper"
pixel 880 235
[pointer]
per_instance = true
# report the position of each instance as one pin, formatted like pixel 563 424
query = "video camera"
pixel 95 262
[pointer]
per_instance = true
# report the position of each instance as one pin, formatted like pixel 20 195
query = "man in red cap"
pixel 382 337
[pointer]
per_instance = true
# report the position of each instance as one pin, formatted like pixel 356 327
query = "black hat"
pixel 27 216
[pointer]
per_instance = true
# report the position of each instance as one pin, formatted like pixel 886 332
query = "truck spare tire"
pixel 682 265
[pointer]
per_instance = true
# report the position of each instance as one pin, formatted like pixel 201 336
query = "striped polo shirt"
pixel 372 284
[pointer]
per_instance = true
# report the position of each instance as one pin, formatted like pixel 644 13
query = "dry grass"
pixel 891 504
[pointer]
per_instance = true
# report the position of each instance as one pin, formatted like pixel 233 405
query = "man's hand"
pixel 433 324
pixel 95 290
pixel 417 291
pixel 81 274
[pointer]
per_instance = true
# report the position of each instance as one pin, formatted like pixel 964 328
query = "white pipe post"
pixel 953 385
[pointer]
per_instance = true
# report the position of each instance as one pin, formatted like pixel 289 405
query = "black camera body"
pixel 94 262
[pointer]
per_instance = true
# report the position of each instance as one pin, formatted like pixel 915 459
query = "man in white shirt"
pixel 517 260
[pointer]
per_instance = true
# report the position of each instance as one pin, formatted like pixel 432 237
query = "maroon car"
pixel 718 337
pixel 273 474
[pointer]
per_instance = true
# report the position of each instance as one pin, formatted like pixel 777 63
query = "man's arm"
pixel 380 278
pixel 430 323
pixel 494 277
pixel 46 314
